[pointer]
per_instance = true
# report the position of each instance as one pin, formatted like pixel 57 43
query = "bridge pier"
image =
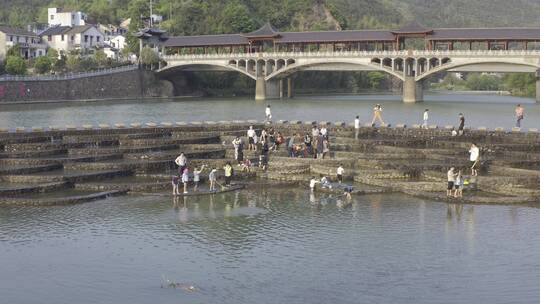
pixel 412 90
pixel 270 89
pixel 260 88
pixel 290 92
pixel 538 86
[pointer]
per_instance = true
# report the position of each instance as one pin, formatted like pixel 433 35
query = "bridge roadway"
pixel 269 70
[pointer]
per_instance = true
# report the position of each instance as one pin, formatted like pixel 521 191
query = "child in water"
pixel 197 177
pixel 175 181
pixel 212 178
pixel 185 179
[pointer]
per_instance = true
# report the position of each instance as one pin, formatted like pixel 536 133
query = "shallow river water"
pixel 480 110
pixel 269 246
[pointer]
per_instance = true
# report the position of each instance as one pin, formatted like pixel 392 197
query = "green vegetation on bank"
pixel 519 84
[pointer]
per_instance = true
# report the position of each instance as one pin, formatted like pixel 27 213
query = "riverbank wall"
pixel 131 84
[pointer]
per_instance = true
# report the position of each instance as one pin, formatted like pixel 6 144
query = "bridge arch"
pixel 450 65
pixel 208 67
pixel 292 68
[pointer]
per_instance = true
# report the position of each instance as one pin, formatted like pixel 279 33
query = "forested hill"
pixel 219 16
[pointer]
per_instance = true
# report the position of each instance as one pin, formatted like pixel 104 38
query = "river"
pixel 487 110
pixel 269 246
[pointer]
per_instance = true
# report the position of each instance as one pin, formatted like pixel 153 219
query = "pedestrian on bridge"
pixel 356 127
pixel 377 115
pixel 520 111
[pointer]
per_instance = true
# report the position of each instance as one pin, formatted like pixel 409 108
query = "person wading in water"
pixel 377 115
pixel 520 111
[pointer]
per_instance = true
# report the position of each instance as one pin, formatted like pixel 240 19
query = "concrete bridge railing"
pixel 269 69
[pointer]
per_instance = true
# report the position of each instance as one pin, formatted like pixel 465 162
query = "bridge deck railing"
pixel 414 53
pixel 100 72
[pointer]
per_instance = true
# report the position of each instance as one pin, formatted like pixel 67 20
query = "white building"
pixel 56 17
pixel 29 43
pixel 118 42
pixel 69 38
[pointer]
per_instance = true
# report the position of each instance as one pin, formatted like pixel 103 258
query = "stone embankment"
pixel 132 84
pixel 48 166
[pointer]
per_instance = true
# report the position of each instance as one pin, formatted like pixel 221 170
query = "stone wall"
pixel 122 85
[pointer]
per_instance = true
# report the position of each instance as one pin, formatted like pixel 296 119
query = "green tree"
pixel 15 50
pixel 236 19
pixel 15 65
pixel 100 58
pixel 149 57
pixel 136 9
pixel 376 79
pixel 73 63
pixel 42 65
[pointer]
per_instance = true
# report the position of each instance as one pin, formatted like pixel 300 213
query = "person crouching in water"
pixel 185 179
pixel 175 181
pixel 228 173
pixel 197 177
pixel 312 183
pixel 212 178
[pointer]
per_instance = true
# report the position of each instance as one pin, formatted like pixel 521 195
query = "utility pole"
pixel 151 21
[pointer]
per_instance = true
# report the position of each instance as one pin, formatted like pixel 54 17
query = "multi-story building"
pixel 57 17
pixel 30 44
pixel 65 39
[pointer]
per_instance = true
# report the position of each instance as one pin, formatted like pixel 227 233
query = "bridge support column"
pixel 280 84
pixel 538 86
pixel 267 89
pixel 412 90
pixel 260 89
pixel 272 89
pixel 290 92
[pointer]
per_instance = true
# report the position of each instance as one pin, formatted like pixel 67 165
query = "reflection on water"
pixel 480 110
pixel 270 246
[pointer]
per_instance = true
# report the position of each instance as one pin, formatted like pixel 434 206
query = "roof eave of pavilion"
pixel 267 31
pixel 413 28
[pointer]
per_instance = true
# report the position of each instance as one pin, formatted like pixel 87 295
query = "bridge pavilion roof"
pixel 437 34
pixel 485 34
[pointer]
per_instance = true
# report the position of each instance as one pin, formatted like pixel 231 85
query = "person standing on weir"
pixel 475 159
pixel 268 114
pixel 520 111
pixel 426 118
pixel 461 124
pixel 251 139
pixel 377 115
pixel 181 161
pixel 356 127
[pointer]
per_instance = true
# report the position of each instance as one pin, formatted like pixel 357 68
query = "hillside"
pixel 214 16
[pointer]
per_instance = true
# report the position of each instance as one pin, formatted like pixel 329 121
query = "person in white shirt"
pixel 377 115
pixel 197 177
pixel 314 132
pixel 475 159
pixel 324 132
pixel 312 183
pixel 268 114
pixel 340 172
pixel 426 118
pixel 451 181
pixel 251 138
pixel 181 161
pixel 356 127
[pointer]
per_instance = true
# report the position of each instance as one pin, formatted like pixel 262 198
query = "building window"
pixel 10 38
pixel 26 39
pixel 97 38
pixel 85 38
pixel 40 53
pixel 62 37
pixel 49 38
pixel 72 37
